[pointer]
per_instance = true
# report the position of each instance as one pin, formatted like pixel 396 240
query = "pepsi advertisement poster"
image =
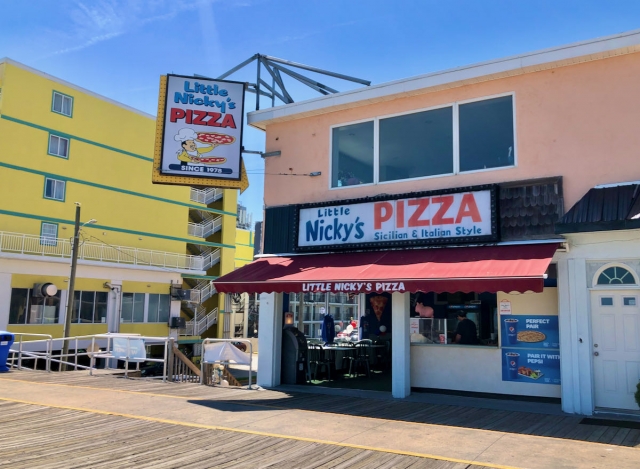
pixel 530 332
pixel 531 366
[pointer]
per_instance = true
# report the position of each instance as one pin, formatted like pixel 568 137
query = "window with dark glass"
pixel 352 155
pixel 25 309
pixel 89 307
pixel 54 189
pixel 416 145
pixel 616 276
pixel 132 307
pixel 486 134
pixel 159 308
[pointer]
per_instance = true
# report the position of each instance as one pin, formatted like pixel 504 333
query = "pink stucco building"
pixel 507 192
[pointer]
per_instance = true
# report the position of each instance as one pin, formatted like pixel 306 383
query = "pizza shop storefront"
pixel 425 275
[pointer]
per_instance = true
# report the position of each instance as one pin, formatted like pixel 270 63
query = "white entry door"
pixel 615 321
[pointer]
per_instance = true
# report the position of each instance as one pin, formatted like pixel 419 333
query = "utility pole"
pixel 71 291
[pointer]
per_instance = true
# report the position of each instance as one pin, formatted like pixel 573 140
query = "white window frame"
pixel 63 97
pixel 455 105
pixel 144 308
pixel 57 153
pixel 55 186
pixel 620 286
pixel 45 239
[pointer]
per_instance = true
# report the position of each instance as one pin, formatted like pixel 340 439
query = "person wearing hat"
pixel 466 332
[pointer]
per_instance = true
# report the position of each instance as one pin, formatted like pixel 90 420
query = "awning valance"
pixel 510 268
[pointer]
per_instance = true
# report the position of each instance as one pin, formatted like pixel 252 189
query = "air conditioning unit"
pixel 180 294
pixel 177 323
pixel 44 290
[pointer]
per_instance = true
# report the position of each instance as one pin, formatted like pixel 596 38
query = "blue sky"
pixel 119 48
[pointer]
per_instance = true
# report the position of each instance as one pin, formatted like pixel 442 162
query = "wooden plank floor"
pixel 41 437
pixel 526 423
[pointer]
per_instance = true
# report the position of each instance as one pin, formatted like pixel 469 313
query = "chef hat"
pixel 185 134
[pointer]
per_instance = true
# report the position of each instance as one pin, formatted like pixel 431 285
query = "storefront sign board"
pixel 199 132
pixel 531 366
pixel 436 217
pixel 505 307
pixel 529 332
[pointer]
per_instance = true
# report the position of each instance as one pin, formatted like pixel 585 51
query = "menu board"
pixel 531 366
pixel 530 332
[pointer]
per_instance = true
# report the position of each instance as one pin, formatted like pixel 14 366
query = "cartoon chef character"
pixel 190 150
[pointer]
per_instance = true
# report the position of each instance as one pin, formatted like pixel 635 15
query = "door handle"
pixel 596 353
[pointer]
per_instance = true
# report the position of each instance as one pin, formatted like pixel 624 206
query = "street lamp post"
pixel 72 282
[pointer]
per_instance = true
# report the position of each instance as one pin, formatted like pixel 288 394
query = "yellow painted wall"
pixel 145 287
pixel 28 96
pixel 149 329
pixel 110 152
pixel 244 247
pixel 545 303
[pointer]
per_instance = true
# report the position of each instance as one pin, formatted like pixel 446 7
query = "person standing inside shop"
pixel 466 332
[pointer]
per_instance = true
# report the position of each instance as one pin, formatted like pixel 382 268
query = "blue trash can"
pixel 6 340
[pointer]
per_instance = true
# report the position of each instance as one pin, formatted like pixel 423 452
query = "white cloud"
pixel 93 22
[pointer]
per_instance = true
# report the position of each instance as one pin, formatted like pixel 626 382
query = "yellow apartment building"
pixel 60 145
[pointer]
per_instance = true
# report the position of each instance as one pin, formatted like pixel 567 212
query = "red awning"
pixel 468 269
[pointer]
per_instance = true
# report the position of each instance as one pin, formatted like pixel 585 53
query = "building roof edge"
pixel 569 54
pixel 42 74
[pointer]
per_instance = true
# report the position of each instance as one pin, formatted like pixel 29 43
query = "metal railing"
pixel 206 196
pixel 201 321
pixel 206 227
pixel 17 348
pixel 205 364
pixel 210 259
pixel 206 289
pixel 20 243
pixel 105 346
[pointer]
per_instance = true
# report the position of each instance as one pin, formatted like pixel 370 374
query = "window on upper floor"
pixel 159 308
pixel 58 146
pixel 460 137
pixel 352 154
pixel 49 234
pixel 62 104
pixel 54 189
pixel 89 307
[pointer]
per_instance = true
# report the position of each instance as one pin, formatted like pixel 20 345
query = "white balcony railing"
pixel 206 289
pixel 205 228
pixel 205 196
pixel 19 243
pixel 201 322
pixel 210 259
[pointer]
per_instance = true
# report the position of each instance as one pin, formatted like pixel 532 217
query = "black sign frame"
pixel 494 237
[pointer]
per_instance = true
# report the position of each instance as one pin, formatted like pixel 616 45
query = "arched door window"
pixel 616 276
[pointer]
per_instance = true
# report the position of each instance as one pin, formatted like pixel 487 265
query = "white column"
pixel 575 337
pixel 400 351
pixel 270 339
pixel 5 300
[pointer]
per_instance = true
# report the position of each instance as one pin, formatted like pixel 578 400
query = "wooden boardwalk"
pixel 49 436
pixel 555 426
pixel 41 437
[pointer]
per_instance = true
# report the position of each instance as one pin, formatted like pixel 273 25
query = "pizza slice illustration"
pixel 378 303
